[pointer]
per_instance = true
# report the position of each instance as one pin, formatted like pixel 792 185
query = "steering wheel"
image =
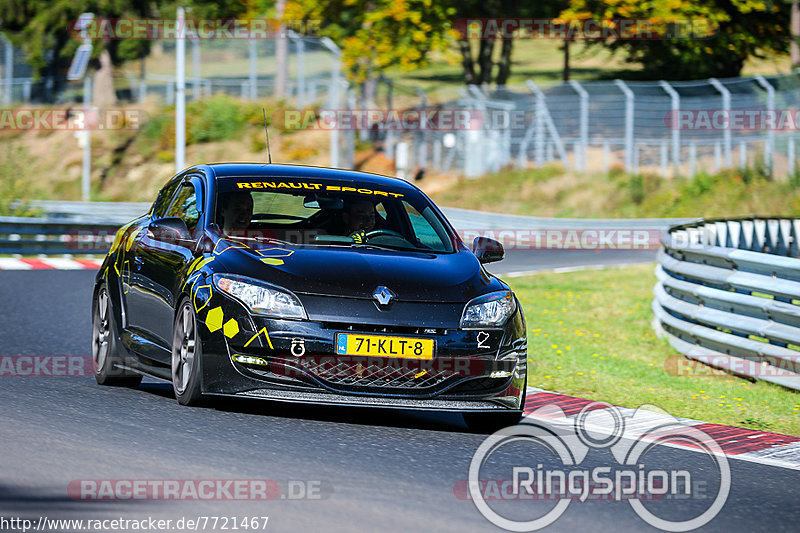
pixel 379 232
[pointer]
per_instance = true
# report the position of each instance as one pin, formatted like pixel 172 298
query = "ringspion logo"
pixel 546 466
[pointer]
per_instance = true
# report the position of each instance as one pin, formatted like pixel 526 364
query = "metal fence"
pixel 242 68
pixel 728 295
pixel 239 67
pixel 586 126
pixel 666 128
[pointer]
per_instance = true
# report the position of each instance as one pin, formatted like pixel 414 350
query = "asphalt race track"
pixel 373 469
pixel 519 261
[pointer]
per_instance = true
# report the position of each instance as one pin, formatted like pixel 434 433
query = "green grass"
pixel 590 335
pixel 550 191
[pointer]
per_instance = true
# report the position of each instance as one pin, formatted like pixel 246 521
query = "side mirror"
pixel 170 229
pixel 487 250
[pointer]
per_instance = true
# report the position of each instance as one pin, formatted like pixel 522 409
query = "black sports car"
pixel 312 285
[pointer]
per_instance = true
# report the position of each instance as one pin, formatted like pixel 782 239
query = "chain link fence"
pixel 660 127
pixel 666 128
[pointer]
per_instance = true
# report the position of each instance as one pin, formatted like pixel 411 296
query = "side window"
pixel 185 206
pixel 427 229
pixel 164 198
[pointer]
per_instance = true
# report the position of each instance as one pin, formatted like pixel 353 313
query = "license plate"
pixel 382 346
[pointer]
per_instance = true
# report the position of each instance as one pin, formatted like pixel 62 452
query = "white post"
pixel 551 127
pixel 743 154
pixel 351 134
pixel 333 97
pixel 539 137
pixel 422 135
pixel 86 170
pixel 401 160
pixel 717 157
pixel 9 72
pixel 581 161
pixel 196 68
pixel 180 93
pixel 769 145
pixel 676 132
pixel 86 174
pixel 664 159
pixel 629 103
pixel 692 158
pixel 790 156
pixel 606 157
pixel 301 73
pixel 726 106
pixel 253 77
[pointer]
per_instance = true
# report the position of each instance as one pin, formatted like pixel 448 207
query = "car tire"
pixel 105 350
pixel 186 367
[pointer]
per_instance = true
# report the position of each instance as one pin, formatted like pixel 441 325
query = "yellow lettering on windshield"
pixel 312 186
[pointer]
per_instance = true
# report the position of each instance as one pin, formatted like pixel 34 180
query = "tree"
pixel 378 34
pixel 45 30
pixel 482 54
pixel 705 38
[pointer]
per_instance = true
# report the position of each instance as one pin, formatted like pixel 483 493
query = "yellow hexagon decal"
pixel 272 256
pixel 275 252
pixel 231 328
pixel 214 319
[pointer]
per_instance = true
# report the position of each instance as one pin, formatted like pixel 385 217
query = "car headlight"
pixel 260 297
pixel 489 311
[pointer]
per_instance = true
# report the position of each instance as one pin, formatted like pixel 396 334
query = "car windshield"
pixel 320 212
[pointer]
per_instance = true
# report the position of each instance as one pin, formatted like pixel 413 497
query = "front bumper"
pixel 297 362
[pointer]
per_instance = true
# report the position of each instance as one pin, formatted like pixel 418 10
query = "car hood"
pixel 357 272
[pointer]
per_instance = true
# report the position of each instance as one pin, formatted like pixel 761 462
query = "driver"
pixel 358 218
pixel 237 209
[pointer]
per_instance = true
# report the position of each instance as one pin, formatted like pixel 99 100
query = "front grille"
pixel 367 373
pixel 483 385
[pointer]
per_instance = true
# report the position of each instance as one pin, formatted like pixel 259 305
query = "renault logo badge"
pixel 383 295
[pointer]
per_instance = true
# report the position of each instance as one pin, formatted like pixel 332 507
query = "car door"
pixel 158 263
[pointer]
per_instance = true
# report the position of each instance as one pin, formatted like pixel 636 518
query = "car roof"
pixel 270 170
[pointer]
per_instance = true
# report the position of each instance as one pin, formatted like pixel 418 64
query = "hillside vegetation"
pixel 551 191
pixel 132 164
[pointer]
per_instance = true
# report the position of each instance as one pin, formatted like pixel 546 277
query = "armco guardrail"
pixel 90 212
pixel 728 295
pixel 88 227
pixel 28 236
